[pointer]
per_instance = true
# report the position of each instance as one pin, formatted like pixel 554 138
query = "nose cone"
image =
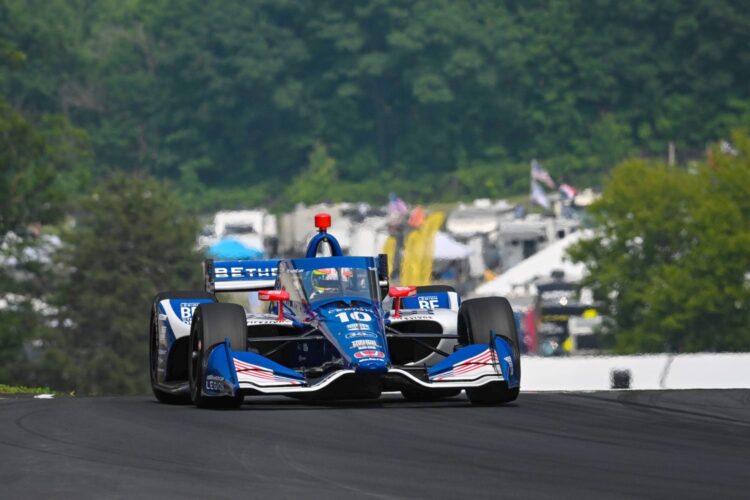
pixel 371 366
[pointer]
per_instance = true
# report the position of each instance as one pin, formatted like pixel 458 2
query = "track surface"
pixel 568 445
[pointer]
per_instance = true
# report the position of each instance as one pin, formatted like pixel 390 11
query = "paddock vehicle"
pixel 335 329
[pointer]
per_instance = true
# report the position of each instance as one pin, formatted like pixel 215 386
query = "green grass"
pixel 19 389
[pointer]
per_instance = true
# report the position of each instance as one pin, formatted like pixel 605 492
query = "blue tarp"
pixel 233 249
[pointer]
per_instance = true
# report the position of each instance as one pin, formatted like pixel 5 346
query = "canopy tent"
pixel 447 248
pixel 539 265
pixel 232 249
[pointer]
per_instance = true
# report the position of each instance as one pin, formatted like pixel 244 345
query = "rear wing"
pixel 239 275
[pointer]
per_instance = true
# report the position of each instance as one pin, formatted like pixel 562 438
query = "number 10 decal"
pixel 347 316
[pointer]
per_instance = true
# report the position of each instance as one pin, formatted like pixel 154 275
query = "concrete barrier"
pixel 652 371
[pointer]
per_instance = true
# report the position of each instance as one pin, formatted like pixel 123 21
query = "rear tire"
pixel 153 347
pixel 212 324
pixel 476 318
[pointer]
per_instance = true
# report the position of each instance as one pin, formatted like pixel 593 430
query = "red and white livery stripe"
pixel 260 375
pixel 484 363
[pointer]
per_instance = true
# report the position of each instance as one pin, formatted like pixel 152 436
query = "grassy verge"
pixel 19 389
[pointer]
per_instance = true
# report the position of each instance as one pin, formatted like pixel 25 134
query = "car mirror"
pixel 402 291
pixel 399 292
pixel 275 296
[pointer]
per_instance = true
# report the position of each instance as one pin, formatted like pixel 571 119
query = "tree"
pixel 319 182
pixel 40 171
pixel 131 240
pixel 232 95
pixel 671 255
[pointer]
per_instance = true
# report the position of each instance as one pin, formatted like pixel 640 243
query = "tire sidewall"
pixel 479 316
pixel 476 319
pixel 153 350
pixel 213 317
pixel 196 358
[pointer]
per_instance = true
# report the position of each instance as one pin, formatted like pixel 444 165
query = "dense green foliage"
pixel 455 96
pixel 131 240
pixel 70 318
pixel 39 173
pixel 15 389
pixel 674 244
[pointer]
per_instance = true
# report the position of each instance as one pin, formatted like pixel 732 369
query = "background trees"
pixel 674 244
pixel 131 239
pixel 39 176
pixel 227 95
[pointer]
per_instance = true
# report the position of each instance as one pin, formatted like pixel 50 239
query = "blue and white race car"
pixel 335 330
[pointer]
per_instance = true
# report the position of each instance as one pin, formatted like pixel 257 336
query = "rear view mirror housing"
pixel 275 296
pixel 399 292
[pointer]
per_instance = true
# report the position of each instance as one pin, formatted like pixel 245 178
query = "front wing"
pixel 228 373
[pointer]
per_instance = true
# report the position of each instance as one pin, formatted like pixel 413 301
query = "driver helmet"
pixel 324 280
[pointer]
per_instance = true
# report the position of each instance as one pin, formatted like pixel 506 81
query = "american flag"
pixel 538 195
pixel 260 375
pixel 396 206
pixel 539 174
pixel 568 191
pixel 481 364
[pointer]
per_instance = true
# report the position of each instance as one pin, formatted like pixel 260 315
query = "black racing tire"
pixel 495 393
pixel 476 318
pixel 153 349
pixel 212 324
pixel 416 394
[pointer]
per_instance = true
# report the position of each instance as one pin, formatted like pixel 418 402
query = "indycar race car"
pixel 335 329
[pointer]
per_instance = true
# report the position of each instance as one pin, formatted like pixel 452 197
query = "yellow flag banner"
pixel 389 248
pixel 416 265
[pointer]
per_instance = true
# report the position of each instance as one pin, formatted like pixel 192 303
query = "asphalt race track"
pixel 679 444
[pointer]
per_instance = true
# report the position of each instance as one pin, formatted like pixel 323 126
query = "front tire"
pixel 213 324
pixel 476 319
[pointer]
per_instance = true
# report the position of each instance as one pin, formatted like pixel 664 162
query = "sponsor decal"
pixel 354 335
pixel 338 310
pixel 365 344
pixel 369 354
pixel 267 321
pixel 358 327
pixel 214 383
pixel 413 317
pixel 509 360
pixel 245 272
pixel 427 302
pixel 186 311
